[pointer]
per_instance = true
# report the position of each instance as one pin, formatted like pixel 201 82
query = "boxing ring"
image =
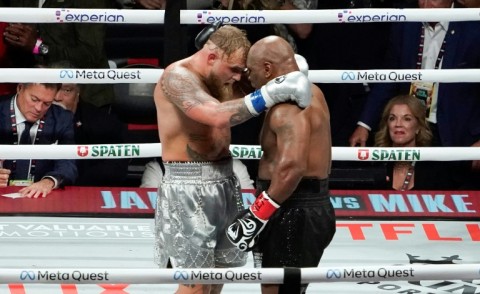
pixel 115 255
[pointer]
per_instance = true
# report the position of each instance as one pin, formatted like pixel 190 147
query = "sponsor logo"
pixel 127 150
pixel 348 16
pixel 66 74
pixel 389 155
pixel 358 273
pixel 82 151
pixel 112 75
pixel 348 76
pixel 246 152
pixel 229 275
pixel 67 15
pixel 440 286
pixel 280 79
pixel 392 76
pixel 335 273
pixel 363 154
pixel 75 275
pixel 394 155
pixel 242 18
pixel 119 151
pixel 24 275
pixel 180 275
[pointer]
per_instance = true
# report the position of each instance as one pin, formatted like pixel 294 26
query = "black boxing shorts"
pixel 299 231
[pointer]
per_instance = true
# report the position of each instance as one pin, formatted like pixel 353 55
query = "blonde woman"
pixel 403 124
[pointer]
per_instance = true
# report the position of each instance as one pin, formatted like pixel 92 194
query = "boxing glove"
pixel 293 86
pixel 245 229
pixel 302 64
pixel 205 34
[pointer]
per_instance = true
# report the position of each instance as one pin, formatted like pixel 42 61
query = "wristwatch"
pixel 43 49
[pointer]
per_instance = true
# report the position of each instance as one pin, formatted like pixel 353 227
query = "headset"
pixel 205 34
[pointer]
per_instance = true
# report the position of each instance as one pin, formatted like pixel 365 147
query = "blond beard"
pixel 222 92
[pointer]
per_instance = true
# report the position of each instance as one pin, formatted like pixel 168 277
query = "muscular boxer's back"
pixel 184 139
pixel 316 119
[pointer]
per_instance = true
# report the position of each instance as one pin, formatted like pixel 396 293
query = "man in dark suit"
pixel 30 118
pixel 94 125
pixel 31 44
pixel 458 104
pixel 454 114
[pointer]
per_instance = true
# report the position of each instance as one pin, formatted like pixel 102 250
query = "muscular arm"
pixel 185 90
pixel 292 144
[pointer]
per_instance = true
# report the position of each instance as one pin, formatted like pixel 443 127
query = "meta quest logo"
pixel 428 287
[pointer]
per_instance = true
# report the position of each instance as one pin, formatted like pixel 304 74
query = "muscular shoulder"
pixel 284 114
pixel 179 72
pixel 178 79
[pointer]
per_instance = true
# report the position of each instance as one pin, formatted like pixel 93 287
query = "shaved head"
pixel 273 49
pixel 269 58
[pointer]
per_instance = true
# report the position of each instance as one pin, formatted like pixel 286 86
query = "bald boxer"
pixel 292 220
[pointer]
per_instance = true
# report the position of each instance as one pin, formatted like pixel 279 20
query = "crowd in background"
pixel 355 108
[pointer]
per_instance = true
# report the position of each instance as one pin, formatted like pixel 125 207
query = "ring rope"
pixel 236 17
pixel 150 75
pixel 145 150
pixel 412 272
pixel 222 276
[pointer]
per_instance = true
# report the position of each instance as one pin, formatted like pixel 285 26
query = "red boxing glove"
pixel 245 229
pixel 264 206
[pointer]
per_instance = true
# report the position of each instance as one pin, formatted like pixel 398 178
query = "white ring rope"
pixel 361 15
pixel 149 75
pixel 116 151
pixel 15 75
pixel 413 272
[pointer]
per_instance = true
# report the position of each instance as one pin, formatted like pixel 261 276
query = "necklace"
pixel 408 176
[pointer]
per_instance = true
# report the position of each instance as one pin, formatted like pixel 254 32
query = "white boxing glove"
pixel 294 86
pixel 302 64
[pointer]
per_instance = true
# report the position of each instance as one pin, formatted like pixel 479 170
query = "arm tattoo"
pixel 239 111
pixel 180 88
pixel 184 90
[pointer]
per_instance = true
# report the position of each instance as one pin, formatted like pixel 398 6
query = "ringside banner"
pixel 383 254
pixel 347 203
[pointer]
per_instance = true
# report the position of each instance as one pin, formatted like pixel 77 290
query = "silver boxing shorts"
pixel 196 202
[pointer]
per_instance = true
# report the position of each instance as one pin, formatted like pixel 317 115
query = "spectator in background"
pixel 453 108
pixel 160 4
pixel 93 125
pixel 470 3
pixel 45 43
pixel 153 174
pixel 289 32
pixel 349 47
pixel 403 124
pixel 5 88
pixel 30 117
